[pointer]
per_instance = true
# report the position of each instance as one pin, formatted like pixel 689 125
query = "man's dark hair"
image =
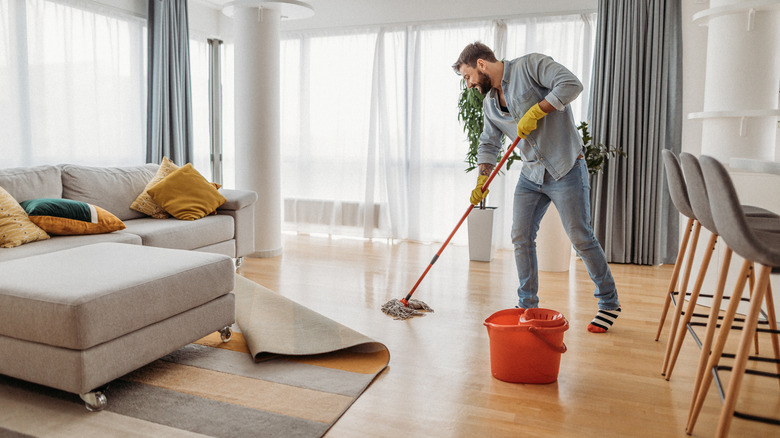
pixel 471 54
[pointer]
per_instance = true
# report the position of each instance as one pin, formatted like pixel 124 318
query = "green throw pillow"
pixel 69 217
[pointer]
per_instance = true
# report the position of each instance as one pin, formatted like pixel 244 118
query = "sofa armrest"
pixel 241 205
pixel 237 199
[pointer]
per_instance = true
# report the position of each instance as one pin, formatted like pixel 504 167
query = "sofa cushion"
pixel 69 217
pixel 65 242
pixel 15 227
pixel 112 188
pixel 186 195
pixel 144 203
pixel 174 233
pixel 25 183
pixel 128 287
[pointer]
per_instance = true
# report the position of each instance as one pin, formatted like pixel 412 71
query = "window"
pixel 371 144
pixel 72 85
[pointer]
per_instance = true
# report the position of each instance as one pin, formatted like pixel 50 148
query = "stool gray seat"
pixel 757 246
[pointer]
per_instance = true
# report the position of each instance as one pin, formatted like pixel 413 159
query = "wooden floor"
pixel 439 384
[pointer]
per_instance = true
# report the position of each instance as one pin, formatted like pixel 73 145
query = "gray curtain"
pixel 636 104
pixel 169 99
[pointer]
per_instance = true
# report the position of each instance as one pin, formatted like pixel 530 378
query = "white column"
pixel 742 78
pixel 257 119
pixel 740 111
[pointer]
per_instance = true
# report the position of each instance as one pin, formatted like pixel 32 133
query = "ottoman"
pixel 79 318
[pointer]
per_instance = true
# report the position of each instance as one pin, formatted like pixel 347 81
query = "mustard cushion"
pixel 186 195
pixel 69 217
pixel 144 203
pixel 15 227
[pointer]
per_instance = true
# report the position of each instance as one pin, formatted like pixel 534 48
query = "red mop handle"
pixel 493 174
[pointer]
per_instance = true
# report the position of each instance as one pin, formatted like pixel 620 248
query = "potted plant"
pixel 595 154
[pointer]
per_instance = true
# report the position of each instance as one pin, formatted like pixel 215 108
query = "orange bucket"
pixel 526 345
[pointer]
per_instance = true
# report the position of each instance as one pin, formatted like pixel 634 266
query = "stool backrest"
pixel 730 218
pixel 677 188
pixel 697 191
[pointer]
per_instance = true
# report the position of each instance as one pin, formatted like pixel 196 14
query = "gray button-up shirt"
pixel 555 144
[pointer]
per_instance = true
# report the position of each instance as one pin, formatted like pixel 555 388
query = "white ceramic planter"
pixel 481 223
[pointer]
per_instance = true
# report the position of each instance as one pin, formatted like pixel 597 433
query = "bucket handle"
pixel 562 349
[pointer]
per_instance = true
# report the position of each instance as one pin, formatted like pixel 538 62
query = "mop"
pixel 407 307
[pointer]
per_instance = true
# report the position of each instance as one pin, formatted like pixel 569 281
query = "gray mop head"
pixel 397 309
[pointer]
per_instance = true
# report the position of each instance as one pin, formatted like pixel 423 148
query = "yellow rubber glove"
pixel 477 195
pixel 527 123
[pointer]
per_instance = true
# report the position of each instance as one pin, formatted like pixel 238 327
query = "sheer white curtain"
pixel 72 85
pixel 326 99
pixel 369 118
pixel 438 186
pixel 199 77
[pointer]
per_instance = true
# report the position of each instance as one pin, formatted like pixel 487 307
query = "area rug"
pixel 289 372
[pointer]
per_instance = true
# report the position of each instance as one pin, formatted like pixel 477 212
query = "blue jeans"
pixel 571 196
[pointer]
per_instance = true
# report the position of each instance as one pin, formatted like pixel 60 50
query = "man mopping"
pixel 529 97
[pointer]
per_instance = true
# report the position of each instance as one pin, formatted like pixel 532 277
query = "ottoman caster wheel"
pixel 95 401
pixel 226 333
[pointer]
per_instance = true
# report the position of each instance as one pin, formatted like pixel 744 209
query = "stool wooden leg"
pixel 675 276
pixel 712 323
pixel 772 319
pixel 681 298
pixel 720 343
pixel 705 263
pixel 743 351
pixel 751 288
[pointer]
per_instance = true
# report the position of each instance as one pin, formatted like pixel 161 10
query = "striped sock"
pixel 603 320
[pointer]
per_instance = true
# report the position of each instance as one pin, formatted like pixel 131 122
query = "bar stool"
pixel 700 202
pixel 679 194
pixel 700 207
pixel 755 246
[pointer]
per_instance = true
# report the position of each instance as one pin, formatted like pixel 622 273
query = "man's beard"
pixel 484 84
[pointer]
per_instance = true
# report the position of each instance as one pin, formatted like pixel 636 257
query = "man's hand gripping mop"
pixel 408 307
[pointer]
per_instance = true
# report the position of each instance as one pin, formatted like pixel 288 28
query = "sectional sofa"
pixel 78 311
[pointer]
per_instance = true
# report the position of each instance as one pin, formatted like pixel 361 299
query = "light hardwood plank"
pixel 438 383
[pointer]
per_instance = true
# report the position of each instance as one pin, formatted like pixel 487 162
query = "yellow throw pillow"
pixel 144 203
pixel 69 217
pixel 186 195
pixel 15 227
